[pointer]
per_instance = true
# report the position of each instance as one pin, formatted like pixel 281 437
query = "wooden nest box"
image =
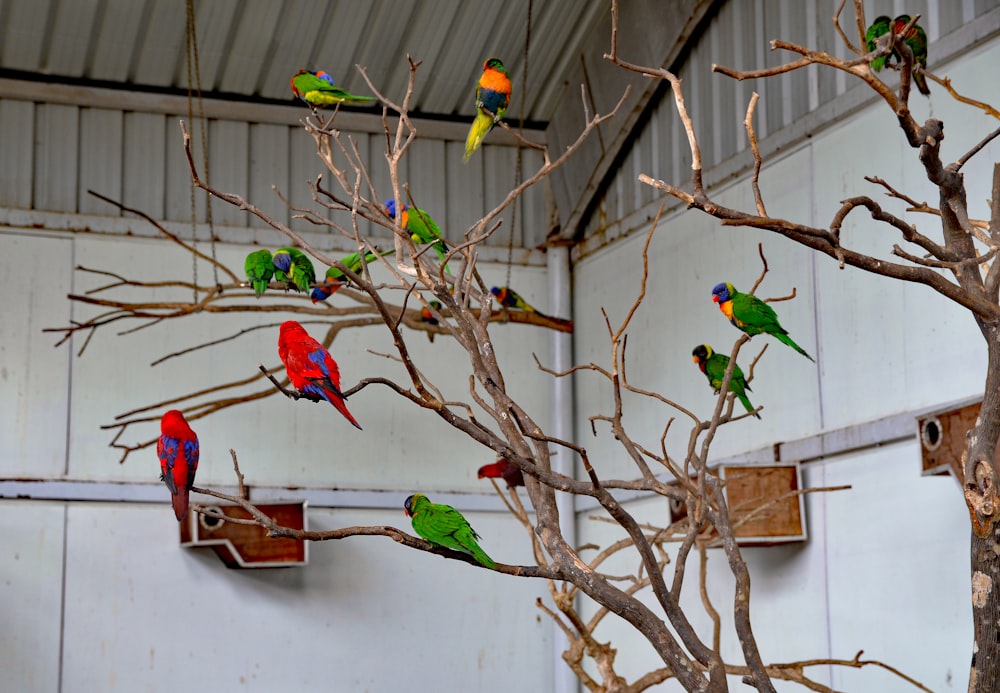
pixel 942 438
pixel 248 546
pixel 763 504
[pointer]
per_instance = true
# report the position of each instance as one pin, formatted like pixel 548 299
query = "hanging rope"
pixel 520 149
pixel 194 91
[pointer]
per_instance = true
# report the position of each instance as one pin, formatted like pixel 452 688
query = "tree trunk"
pixel 980 493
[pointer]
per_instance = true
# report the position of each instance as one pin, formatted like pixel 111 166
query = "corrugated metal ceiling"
pixel 250 48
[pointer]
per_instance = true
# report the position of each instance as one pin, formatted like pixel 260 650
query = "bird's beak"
pixel 694 359
pixel 715 298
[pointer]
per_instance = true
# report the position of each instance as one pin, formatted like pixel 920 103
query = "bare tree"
pixel 573 572
pixel 962 269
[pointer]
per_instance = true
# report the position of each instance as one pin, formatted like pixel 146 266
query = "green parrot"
pixel 714 367
pixel 443 526
pixel 915 38
pixel 318 90
pixel 259 269
pixel 422 227
pixel 335 279
pixel 294 267
pixel 878 28
pixel 752 315
pixel 509 298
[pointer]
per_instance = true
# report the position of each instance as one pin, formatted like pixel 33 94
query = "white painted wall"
pixel 100 596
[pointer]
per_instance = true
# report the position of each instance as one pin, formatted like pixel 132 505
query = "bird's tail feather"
pixel 480 126
pixel 790 342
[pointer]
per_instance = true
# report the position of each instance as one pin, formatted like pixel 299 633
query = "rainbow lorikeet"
pixel 492 98
pixel 318 90
pixel 752 315
pixel 178 451
pixel 915 38
pixel 259 268
pixel 509 298
pixel 503 468
pixel 310 367
pixel 336 279
pixel 878 28
pixel 421 226
pixel 294 267
pixel 443 526
pixel 714 367
pixel 426 315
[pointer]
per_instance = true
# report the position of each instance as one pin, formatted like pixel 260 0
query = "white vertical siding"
pixel 17 127
pixel 56 157
pixel 34 377
pixel 31 593
pixel 101 161
pixel 144 153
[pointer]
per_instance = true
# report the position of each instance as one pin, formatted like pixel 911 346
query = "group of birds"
pixel 318 90
pixel 752 316
pixel 914 37
pixel 313 371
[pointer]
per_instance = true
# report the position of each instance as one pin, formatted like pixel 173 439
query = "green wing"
pixel 879 27
pixel 423 229
pixel 753 316
pixel 444 526
pixel 318 90
pixel 353 263
pixel 715 370
pixel 259 270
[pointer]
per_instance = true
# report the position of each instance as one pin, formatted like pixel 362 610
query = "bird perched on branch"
pixel 294 267
pixel 178 451
pixel 714 367
pixel 752 315
pixel 505 469
pixel 336 279
pixel 443 526
pixel 492 98
pixel 510 299
pixel 915 37
pixel 318 90
pixel 420 225
pixel 259 267
pixel 310 367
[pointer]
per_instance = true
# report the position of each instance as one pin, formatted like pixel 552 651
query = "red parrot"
pixel 511 473
pixel 310 367
pixel 178 453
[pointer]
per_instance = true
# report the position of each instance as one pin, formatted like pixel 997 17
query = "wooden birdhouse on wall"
pixel 764 505
pixel 248 546
pixel 942 438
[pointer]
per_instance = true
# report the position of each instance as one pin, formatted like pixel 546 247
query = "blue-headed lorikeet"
pixel 259 268
pixel 443 526
pixel 714 367
pixel 310 367
pixel 510 299
pixel 178 451
pixel 492 98
pixel 752 315
pixel 318 90
pixel 294 267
